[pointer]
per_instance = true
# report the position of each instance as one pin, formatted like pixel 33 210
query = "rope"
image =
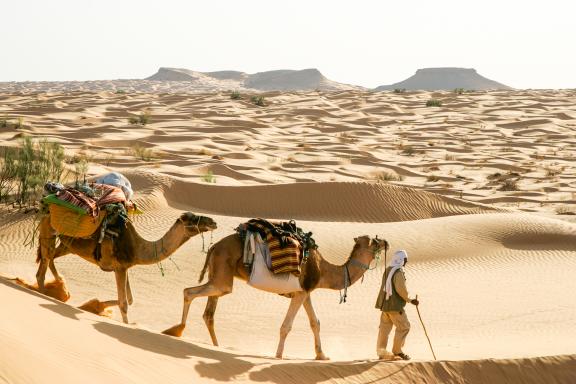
pixel 346 284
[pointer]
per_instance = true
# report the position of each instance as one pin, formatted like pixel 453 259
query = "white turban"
pixel 396 264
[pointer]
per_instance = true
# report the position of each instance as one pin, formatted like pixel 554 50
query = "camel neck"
pixel 152 252
pixel 332 276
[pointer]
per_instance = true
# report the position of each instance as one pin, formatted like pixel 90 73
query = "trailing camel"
pixel 117 255
pixel 224 262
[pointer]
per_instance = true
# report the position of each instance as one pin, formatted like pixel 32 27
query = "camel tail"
pixel 208 254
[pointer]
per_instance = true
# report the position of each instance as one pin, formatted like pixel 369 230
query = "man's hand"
pixel 414 301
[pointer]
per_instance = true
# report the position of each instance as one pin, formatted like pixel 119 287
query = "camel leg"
pixel 208 289
pixel 41 274
pixel 315 326
pixel 295 305
pixel 129 290
pixel 209 317
pixel 54 271
pixel 46 250
pixel 121 287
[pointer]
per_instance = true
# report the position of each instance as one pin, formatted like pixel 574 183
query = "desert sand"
pixel 493 268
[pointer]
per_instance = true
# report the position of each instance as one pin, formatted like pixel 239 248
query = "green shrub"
pixel 386 176
pixel 209 177
pixel 235 95
pixel 7 172
pixel 258 100
pixel 27 168
pixel 142 119
pixel 509 185
pixel 458 91
pixel 145 154
pixel 408 151
pixel 433 103
pixel 399 90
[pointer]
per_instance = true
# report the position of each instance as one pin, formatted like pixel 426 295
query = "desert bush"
pixel 142 119
pixel 258 100
pixel 386 176
pixel 509 185
pixel 565 210
pixel 7 172
pixel 433 103
pixel 552 172
pixel 19 123
pixel 458 91
pixel 235 95
pixel 143 153
pixel 433 178
pixel 449 157
pixel 399 90
pixel 345 137
pixel 3 122
pixel 209 177
pixel 28 167
pixel 408 150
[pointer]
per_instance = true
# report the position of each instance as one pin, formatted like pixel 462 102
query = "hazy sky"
pixel 524 44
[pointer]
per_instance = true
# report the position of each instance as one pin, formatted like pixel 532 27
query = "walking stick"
pixel 425 332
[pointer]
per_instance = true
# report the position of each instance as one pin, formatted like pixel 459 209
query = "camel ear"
pixel 187 216
pixel 355 239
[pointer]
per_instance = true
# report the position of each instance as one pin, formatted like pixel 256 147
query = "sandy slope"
pixel 45 341
pixel 494 282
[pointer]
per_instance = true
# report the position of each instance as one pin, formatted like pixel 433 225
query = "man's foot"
pixel 402 356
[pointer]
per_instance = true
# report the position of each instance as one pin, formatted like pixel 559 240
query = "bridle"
pixel 361 265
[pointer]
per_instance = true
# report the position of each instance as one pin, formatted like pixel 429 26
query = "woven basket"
pixel 69 223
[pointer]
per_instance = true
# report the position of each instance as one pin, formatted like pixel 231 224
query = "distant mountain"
pixel 445 79
pixel 279 80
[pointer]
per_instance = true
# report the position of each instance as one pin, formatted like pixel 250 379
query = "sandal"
pixel 402 355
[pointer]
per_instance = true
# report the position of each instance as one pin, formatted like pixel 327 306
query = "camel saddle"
pixel 80 211
pixel 287 243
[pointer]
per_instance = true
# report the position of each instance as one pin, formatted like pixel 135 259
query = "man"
pixel 392 299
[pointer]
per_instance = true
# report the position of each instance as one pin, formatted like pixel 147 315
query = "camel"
pixel 127 250
pixel 224 262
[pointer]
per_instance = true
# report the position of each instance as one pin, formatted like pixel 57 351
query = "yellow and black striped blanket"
pixel 285 240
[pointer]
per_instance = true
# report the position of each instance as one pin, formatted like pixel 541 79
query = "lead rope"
pixel 346 284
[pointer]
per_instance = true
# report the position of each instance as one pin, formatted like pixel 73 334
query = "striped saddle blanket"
pixel 286 243
pixel 89 201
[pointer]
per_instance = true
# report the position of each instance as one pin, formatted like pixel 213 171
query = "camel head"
pixel 197 224
pixel 371 246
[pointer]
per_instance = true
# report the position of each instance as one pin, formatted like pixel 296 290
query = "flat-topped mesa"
pixel 173 74
pixel 278 80
pixel 446 78
pixel 286 79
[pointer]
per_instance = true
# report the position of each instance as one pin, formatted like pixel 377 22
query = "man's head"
pixel 399 259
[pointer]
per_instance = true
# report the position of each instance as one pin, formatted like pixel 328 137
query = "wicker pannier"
pixel 69 223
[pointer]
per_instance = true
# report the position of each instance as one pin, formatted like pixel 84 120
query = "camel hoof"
pixel 322 357
pixel 176 330
pixel 97 307
pixel 279 357
pixel 56 289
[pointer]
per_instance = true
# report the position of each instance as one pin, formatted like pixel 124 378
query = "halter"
pixel 361 265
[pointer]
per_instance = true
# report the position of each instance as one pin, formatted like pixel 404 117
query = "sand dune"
pixel 493 267
pixel 118 353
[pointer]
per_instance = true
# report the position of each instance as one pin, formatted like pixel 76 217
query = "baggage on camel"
pixel 80 211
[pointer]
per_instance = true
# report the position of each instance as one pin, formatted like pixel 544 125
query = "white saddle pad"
pixel 264 279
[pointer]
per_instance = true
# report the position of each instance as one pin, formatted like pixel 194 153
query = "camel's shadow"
pixel 232 365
